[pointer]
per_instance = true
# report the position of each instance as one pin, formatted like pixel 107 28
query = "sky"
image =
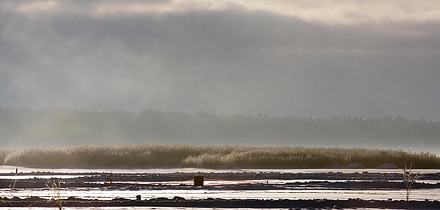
pixel 276 57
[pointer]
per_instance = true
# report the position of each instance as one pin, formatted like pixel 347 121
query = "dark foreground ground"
pixel 123 181
pixel 220 203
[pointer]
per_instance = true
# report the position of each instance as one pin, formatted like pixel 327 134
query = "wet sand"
pixel 221 203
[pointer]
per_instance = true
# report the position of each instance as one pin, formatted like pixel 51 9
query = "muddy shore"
pixel 142 182
pixel 220 203
pixel 150 181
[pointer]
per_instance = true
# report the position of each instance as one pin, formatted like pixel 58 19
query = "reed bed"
pixel 177 155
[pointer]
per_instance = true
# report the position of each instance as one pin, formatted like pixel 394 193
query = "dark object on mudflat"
pixel 198 180
pixel 222 203
pixel 138 197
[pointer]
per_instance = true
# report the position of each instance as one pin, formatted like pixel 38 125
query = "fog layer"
pixel 280 58
pixel 25 127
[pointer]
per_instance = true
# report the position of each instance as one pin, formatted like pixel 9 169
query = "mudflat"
pixel 221 189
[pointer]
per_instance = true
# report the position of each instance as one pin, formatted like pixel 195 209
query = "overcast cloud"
pixel 296 58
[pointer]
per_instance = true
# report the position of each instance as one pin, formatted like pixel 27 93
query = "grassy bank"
pixel 175 155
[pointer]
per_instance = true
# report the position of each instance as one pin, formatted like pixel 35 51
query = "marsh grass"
pixel 177 155
pixel 54 186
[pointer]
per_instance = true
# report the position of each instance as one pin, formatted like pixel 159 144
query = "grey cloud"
pixel 231 61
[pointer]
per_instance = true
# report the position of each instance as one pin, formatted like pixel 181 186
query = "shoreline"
pixel 238 189
pixel 220 203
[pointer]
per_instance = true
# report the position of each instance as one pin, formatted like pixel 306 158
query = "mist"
pixel 302 59
pixel 64 127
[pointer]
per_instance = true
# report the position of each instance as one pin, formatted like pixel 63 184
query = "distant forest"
pixel 70 126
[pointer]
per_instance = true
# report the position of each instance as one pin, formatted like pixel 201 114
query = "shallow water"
pixel 164 189
pixel 103 194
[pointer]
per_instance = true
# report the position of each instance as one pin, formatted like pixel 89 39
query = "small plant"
pixel 12 188
pixel 54 186
pixel 12 185
pixel 409 178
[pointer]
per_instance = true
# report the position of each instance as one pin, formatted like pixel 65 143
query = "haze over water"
pixel 275 58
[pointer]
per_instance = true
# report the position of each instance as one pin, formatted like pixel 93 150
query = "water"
pixel 215 188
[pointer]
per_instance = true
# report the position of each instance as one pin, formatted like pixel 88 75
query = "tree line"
pixel 71 126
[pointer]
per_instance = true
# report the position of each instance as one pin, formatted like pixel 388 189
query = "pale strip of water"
pixel 220 182
pixel 260 181
pixel 331 194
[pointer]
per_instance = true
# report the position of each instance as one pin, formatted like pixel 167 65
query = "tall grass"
pixel 176 155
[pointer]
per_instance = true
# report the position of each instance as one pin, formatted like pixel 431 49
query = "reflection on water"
pixel 161 190
pixel 104 194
